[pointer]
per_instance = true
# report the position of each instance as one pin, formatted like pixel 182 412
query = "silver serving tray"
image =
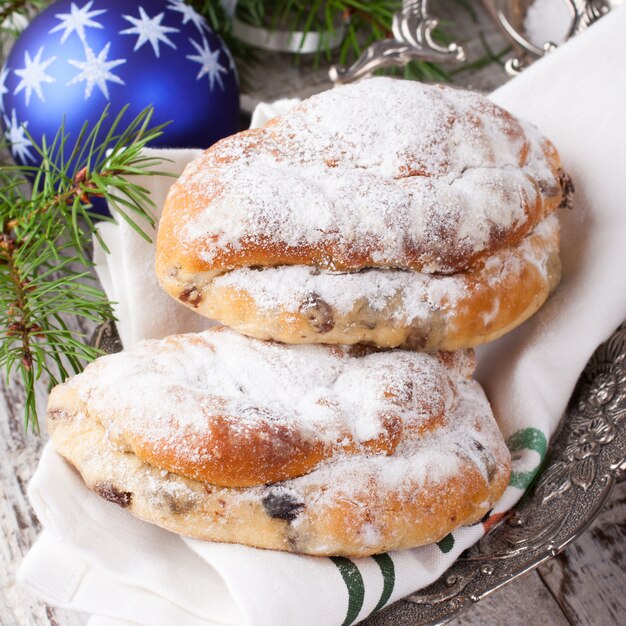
pixel 584 461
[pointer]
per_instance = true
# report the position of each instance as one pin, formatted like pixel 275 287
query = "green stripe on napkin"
pixel 388 571
pixel 526 439
pixel 447 543
pixel 354 582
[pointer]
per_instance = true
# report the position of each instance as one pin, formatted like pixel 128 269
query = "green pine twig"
pixel 363 21
pixel 45 236
pixel 11 9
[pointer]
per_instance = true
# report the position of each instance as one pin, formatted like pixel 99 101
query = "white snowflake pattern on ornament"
pixel 149 29
pixel 210 66
pixel 96 70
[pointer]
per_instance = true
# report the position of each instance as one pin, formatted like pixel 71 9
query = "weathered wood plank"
pixel 19 454
pixel 588 580
pixel 510 606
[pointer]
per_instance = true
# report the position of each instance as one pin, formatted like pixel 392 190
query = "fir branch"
pixel 215 15
pixel 364 21
pixel 11 11
pixel 8 8
pixel 45 236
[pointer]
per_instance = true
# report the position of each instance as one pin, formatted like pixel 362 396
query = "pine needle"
pixel 46 272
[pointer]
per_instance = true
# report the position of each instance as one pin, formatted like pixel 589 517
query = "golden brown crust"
pixel 464 310
pixel 238 441
pixel 362 506
pixel 516 151
pixel 447 185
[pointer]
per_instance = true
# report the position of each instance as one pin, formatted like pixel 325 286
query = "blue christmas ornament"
pixel 77 57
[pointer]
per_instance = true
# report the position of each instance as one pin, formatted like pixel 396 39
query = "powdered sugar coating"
pixel 410 295
pixel 399 173
pixel 407 295
pixel 433 458
pixel 181 394
pixel 355 506
pixel 387 307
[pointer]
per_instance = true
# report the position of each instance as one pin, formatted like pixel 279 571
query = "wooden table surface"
pixel 584 585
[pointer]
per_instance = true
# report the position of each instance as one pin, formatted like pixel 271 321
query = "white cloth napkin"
pixel 127 274
pixel 95 557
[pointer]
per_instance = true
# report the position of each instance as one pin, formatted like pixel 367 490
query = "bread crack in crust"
pixel 388 212
pixel 312 449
